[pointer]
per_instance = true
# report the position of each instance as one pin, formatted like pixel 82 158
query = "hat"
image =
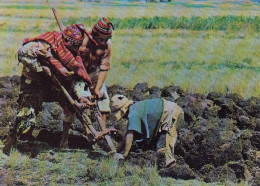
pixel 118 101
pixel 73 33
pixel 120 104
pixel 103 28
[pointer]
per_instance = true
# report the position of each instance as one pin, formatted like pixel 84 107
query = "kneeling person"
pixel 152 122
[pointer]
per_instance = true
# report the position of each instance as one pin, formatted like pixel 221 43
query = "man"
pixel 152 122
pixel 58 52
pixel 96 53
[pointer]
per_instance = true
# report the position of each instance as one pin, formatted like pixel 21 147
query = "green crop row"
pixel 190 23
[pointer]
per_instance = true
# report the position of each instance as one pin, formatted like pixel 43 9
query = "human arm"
pixel 125 146
pixel 59 67
pixel 101 79
pixel 128 143
pixel 104 67
pixel 32 54
pixel 44 55
pixel 82 92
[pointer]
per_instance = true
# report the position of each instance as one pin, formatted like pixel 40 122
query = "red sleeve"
pixel 58 66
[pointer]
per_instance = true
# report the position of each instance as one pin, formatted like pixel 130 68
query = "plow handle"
pixel 84 119
pixel 61 26
pixel 103 129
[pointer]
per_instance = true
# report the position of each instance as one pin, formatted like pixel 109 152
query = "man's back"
pixel 144 117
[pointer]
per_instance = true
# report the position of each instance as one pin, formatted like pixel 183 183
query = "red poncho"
pixel 66 58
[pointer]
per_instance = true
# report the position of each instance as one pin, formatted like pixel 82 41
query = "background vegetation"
pixel 202 46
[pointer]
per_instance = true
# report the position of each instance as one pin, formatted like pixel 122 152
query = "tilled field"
pixel 219 141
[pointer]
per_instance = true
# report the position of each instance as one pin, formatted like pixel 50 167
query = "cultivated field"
pixel 202 46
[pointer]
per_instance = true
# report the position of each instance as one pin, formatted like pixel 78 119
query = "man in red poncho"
pixel 60 53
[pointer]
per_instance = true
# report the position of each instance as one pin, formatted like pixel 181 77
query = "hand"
pixel 81 106
pixel 47 70
pixel 118 156
pixel 105 132
pixel 69 73
pixel 83 49
pixel 84 100
pixel 98 93
pixel 64 72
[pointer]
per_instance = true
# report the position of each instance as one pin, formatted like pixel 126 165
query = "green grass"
pixel 231 23
pixel 79 167
pixel 198 61
pixel 190 23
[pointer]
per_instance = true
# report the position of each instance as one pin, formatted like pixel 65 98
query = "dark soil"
pixel 219 140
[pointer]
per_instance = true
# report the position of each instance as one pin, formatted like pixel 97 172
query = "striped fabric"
pixel 73 33
pixel 66 58
pixel 103 28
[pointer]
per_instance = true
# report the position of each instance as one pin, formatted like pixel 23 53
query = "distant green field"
pixel 229 22
pixel 202 46
pixel 235 23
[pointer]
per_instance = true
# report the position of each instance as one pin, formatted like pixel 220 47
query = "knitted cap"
pixel 103 28
pixel 73 33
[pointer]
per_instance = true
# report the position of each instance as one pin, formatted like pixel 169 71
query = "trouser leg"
pixel 171 119
pixel 67 122
pixel 65 135
pixel 171 139
pixel 24 124
pixel 165 148
pixel 10 140
pixel 160 149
